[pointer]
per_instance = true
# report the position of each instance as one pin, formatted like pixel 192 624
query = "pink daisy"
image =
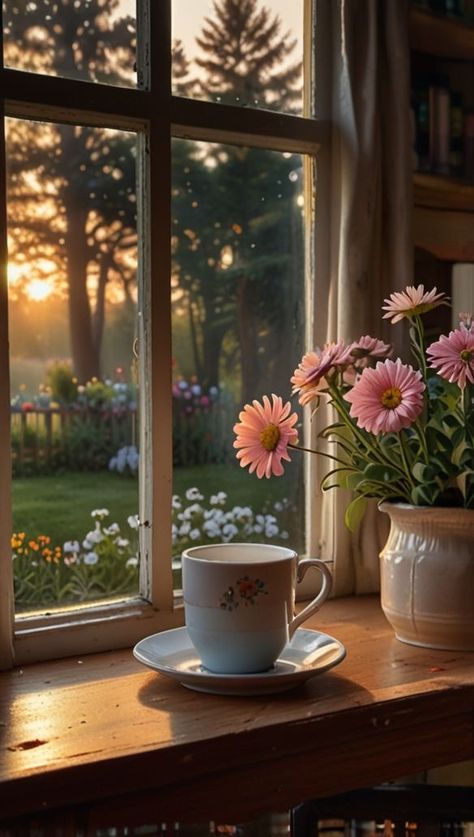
pixel 309 378
pixel 263 436
pixel 453 356
pixel 368 346
pixel 387 398
pixel 412 301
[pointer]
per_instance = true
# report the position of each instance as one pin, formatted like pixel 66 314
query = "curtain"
pixel 363 246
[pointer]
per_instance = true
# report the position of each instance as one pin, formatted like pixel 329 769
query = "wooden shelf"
pixel 440 192
pixel 441 36
pixel 447 234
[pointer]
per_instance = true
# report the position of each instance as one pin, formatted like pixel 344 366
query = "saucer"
pixel 173 654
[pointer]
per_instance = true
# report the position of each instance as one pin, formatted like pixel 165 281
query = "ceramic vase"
pixel 427 576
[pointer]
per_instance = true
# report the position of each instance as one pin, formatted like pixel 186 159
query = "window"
pixel 128 158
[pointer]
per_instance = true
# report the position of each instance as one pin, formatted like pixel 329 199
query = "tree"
pixel 245 57
pixel 235 210
pixel 71 189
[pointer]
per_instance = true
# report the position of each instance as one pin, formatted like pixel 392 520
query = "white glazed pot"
pixel 427 576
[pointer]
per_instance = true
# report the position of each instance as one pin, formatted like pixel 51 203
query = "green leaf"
pixel 343 473
pixel 381 473
pixel 355 512
pixel 355 480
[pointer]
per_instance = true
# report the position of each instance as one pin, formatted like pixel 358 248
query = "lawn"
pixel 60 506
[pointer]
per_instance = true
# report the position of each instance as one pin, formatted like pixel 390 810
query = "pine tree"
pixel 246 57
pixel 236 268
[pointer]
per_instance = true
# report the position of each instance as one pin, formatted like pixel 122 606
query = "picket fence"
pixel 45 439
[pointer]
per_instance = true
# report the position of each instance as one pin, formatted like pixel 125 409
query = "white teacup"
pixel 239 602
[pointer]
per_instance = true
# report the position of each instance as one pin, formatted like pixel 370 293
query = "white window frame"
pixel 156 115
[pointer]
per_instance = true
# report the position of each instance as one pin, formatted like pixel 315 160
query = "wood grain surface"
pixel 120 743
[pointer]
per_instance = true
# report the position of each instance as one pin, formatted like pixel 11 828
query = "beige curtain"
pixel 363 248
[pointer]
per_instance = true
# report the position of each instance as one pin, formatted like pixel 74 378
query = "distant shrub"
pixel 61 382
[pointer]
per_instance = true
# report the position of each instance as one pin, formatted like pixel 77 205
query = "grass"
pixel 60 506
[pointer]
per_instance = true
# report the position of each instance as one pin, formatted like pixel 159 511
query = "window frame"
pixel 157 116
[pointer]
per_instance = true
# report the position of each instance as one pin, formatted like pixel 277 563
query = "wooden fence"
pixel 45 440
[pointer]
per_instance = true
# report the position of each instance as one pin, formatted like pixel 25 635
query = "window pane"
pixel 73 312
pixel 240 52
pixel 238 327
pixel 92 40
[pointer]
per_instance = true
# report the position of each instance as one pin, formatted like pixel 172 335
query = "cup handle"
pixel 314 605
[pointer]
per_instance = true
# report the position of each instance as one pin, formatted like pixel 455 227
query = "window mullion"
pixel 87 96
pixel 6 569
pixel 157 452
pixel 213 122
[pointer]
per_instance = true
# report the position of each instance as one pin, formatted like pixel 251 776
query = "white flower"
pixel 122 542
pixel 71 546
pixel 185 529
pixel 100 513
pixel 230 530
pixel 194 509
pixel 113 529
pixel 194 494
pixel 194 534
pixel 95 536
pixel 91 558
pixel 176 502
pixel 271 530
pixel 132 562
pixel 278 506
pixel 218 499
pixel 211 529
pixel 284 535
pixel 258 529
pixel 132 521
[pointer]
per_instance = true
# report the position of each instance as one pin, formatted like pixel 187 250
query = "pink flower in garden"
pixel 263 436
pixel 387 398
pixel 412 301
pixel 309 378
pixel 368 346
pixel 453 356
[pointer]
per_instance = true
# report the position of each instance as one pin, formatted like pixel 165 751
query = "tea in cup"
pixel 239 602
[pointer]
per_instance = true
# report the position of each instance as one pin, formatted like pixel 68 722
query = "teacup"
pixel 239 602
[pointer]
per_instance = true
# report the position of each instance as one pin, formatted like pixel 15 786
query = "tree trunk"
pixel 212 347
pixel 98 317
pixel 85 355
pixel 247 327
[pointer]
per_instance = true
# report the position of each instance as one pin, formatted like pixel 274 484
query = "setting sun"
pixel 38 289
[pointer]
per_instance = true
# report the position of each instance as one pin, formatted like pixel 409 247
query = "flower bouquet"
pixel 400 433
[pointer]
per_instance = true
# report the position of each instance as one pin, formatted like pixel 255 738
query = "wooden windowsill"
pixel 106 737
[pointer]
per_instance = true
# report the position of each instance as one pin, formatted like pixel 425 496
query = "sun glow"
pixel 38 289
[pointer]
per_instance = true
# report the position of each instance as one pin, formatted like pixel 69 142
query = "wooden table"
pixel 107 737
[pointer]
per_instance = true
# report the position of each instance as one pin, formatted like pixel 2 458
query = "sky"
pixel 188 16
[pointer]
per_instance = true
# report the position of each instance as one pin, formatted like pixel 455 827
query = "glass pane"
pixel 238 323
pixel 73 313
pixel 92 40
pixel 240 52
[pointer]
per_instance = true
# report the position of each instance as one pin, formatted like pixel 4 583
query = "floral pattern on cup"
pixel 246 592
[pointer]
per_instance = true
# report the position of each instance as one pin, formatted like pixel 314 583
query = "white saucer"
pixel 173 654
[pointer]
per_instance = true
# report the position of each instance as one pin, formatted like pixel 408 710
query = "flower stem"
pixel 322 453
pixel 405 457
